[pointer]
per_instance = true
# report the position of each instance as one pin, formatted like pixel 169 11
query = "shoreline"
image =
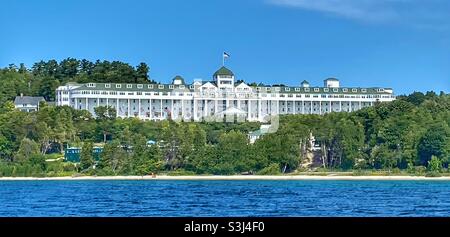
pixel 234 177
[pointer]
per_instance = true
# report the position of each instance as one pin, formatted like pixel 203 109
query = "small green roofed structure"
pixel 178 80
pixel 223 71
pixel 304 83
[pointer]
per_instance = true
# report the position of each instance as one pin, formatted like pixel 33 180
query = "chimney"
pixel 21 94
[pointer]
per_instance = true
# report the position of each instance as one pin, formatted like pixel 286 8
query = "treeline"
pixel 404 135
pixel 44 77
pixel 411 133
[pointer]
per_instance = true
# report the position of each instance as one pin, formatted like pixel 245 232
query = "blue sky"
pixel 403 44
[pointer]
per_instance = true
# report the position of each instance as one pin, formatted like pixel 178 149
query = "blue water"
pixel 224 198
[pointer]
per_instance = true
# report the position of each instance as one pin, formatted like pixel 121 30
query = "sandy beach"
pixel 231 177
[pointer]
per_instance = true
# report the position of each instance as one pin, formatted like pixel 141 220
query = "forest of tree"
pixel 43 78
pixel 411 133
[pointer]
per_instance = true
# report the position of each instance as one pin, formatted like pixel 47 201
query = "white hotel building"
pixel 219 98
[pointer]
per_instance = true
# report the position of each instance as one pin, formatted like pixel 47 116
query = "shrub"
pixel 272 169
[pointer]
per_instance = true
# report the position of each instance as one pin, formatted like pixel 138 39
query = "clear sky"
pixel 403 44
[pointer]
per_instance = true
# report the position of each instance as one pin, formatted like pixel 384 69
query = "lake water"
pixel 224 198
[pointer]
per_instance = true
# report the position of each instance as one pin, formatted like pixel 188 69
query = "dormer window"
pixel 118 86
pixel 107 85
pixel 326 90
pixel 277 89
pixel 191 87
pixel 354 90
pixel 182 86
pixel 297 89
pixel 364 90
pixel 150 86
pixel 307 90
pixel 171 87
pixel 288 89
pixel 345 90
pixel 91 85
pixel 140 86
pixel 316 89
pixel 129 86
pixel 335 89
pixel 160 86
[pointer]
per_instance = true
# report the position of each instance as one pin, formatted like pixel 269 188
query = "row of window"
pixel 276 89
pixel 141 86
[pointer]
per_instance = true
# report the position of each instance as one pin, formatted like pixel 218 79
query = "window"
pixel 364 90
pixel 287 89
pixel 129 86
pixel 140 86
pixel 316 89
pixel 160 86
pixel 345 90
pixel 118 86
pixel 191 86
pixel 182 86
pixel 297 89
pixel 150 86
pixel 326 89
pixel 91 85
pixel 170 86
pixel 277 89
pixel 335 89
pixel 107 85
pixel 354 90
pixel 306 89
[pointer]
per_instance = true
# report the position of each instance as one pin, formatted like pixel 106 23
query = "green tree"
pixel 86 157
pixel 27 149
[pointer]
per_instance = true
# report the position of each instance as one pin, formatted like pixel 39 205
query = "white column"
pixel 151 108
pixel 139 108
pixel 249 107
pixel 182 109
pixel 107 102
pixel 98 102
pixel 359 104
pixel 117 107
pixel 320 107
pixel 172 110
pixel 76 103
pixel 303 107
pixel 205 108
pixel 259 109
pixel 340 106
pixel 161 109
pixel 310 106
pixel 86 106
pixel 286 107
pixel 329 111
pixel 293 106
pixel 239 104
pixel 216 105
pixel 227 103
pixel 195 109
pixel 129 108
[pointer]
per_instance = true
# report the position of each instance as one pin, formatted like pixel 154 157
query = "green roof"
pixel 331 79
pixel 223 71
pixel 305 82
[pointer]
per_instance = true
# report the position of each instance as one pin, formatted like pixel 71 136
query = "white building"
pixel 28 103
pixel 221 97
